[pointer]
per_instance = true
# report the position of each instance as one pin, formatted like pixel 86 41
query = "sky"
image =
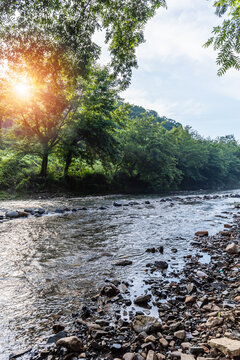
pixel 177 76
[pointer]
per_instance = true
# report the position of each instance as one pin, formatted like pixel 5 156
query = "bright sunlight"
pixel 22 89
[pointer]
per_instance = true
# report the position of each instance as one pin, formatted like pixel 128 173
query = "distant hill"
pixel 138 111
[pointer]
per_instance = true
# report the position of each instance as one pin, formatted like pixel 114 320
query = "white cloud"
pixel 177 76
pixel 229 84
pixel 143 98
pixel 164 107
pixel 179 31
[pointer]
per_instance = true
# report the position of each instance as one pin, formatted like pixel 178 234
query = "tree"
pixel 226 37
pixel 39 116
pixel 149 154
pixel 71 24
pixel 91 133
pixel 191 156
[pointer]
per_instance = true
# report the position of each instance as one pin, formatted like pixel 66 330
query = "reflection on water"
pixel 49 265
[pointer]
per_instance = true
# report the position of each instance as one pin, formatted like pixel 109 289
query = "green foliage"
pixel 111 151
pixel 16 171
pixel 91 132
pixel 226 37
pixel 71 24
pixel 139 111
pixel 149 153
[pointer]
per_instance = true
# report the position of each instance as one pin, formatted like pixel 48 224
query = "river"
pixel 50 265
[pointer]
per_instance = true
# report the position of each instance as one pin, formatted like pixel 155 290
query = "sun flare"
pixel 22 89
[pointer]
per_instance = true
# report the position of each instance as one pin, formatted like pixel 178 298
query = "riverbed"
pixel 50 265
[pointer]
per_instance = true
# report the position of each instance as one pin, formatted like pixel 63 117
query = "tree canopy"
pixel 71 24
pixel 226 37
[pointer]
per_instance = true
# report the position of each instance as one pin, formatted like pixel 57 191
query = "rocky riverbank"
pixel 198 312
pixel 39 212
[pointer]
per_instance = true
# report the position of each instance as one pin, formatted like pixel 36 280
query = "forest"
pixel 63 123
pixel 96 143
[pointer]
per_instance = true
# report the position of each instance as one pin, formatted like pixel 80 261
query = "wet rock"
pixel 72 343
pixel 132 203
pixel 225 233
pixel 160 249
pixel 109 290
pixel 116 347
pixel 227 346
pixel 180 334
pixel 53 339
pixel 117 204
pixel 85 312
pixel 12 214
pixel 59 211
pixel 151 250
pixel 57 328
pixel 146 323
pixel 232 249
pixel 19 353
pixel 144 299
pixel 201 233
pixel 28 210
pixel 41 211
pixel 123 263
pixel 201 274
pixel 37 215
pixel 22 214
pixel 227 226
pixel 163 265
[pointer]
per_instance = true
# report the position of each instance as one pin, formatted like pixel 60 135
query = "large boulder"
pixel 109 290
pixel 227 346
pixel 144 299
pixel 72 343
pixel 232 249
pixel 162 265
pixel 12 214
pixel 146 323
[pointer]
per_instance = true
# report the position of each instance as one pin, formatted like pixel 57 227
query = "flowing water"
pixel 50 265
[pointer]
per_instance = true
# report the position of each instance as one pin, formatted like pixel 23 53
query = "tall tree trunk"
pixel 43 171
pixel 68 161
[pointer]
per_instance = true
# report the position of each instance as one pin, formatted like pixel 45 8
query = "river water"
pixel 50 265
